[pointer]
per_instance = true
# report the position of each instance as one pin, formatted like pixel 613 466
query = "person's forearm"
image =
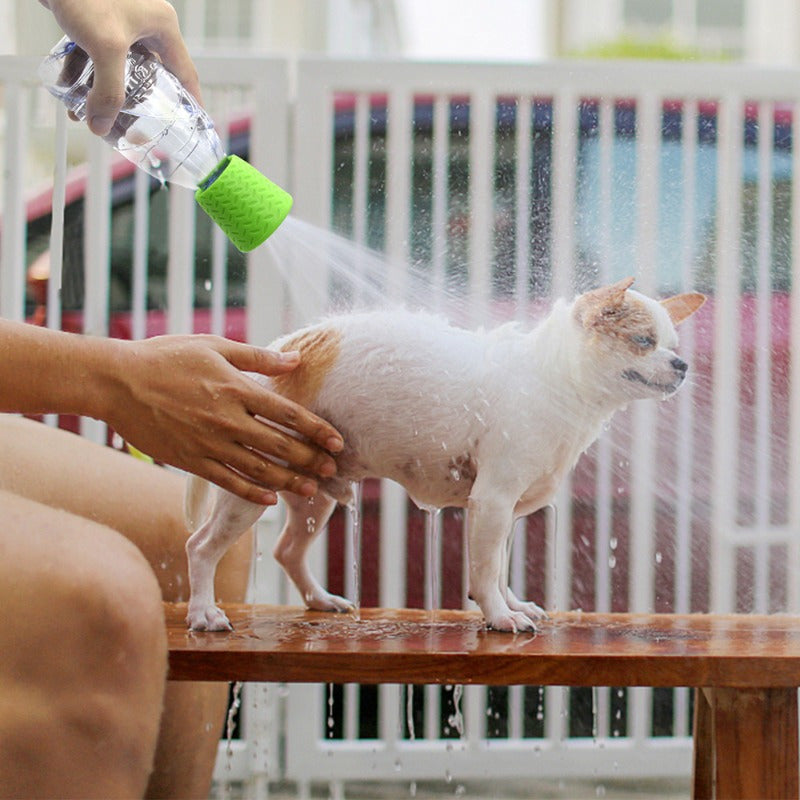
pixel 45 371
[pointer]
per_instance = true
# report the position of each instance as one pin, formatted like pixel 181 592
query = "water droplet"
pixel 207 285
pixel 612 562
pixel 659 557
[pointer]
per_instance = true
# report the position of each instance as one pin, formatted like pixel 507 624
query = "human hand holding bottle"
pixel 106 29
pixel 199 413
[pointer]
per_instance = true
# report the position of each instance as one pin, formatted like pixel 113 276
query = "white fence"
pixel 509 185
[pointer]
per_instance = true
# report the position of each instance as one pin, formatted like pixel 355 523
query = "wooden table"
pixel 746 669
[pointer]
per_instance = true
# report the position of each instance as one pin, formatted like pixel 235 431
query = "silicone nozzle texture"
pixel 244 203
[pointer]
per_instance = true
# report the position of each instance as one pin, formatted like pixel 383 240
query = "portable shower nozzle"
pixel 244 203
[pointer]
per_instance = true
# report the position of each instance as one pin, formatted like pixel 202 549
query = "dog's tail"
pixel 196 502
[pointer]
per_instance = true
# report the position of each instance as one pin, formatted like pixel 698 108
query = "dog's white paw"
pixel 512 622
pixel 208 618
pixel 532 611
pixel 325 601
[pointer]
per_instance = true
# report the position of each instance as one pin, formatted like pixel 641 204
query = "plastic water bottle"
pixel 163 130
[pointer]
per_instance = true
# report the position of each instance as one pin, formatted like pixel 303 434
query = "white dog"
pixel 490 421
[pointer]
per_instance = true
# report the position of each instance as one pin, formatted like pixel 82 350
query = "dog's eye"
pixel 644 342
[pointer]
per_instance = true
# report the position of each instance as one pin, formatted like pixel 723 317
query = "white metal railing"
pixel 562 176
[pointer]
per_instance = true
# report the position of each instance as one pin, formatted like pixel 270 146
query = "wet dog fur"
pixel 490 421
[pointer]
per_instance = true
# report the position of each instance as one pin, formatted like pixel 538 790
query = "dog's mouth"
pixel 666 388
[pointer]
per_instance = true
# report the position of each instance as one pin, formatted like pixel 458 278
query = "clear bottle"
pixel 163 130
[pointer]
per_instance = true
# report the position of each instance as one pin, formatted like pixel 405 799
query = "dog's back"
pixel 411 394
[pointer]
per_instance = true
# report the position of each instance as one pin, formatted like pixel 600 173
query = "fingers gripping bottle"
pixel 162 129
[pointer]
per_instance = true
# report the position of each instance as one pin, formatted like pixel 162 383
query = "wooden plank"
pixel 271 643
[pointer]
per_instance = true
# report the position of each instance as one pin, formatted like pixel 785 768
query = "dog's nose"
pixel 679 365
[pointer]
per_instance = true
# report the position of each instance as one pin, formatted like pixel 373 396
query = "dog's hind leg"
pixel 229 519
pixel 305 519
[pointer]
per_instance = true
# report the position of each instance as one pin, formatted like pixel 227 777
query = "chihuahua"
pixel 490 421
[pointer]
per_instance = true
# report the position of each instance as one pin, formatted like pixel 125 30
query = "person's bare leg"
pixel 82 657
pixel 145 504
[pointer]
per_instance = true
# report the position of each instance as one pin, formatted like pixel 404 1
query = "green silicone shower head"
pixel 245 204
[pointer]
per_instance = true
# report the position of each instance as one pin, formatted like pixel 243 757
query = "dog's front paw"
pixel 321 600
pixel 529 609
pixel 512 622
pixel 208 618
pixel 532 611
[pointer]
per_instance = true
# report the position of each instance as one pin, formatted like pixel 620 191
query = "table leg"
pixel 755 743
pixel 703 748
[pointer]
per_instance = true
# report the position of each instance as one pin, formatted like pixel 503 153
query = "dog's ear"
pixel 602 304
pixel 682 306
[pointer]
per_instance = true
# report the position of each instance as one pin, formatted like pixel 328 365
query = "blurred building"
pixel 755 31
pixel 356 28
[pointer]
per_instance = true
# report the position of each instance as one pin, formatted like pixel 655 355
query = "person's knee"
pixel 85 618
pixel 117 603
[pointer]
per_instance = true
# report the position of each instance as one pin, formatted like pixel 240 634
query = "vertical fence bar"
pixel 141 235
pixel 642 511
pixel 793 431
pixel 352 590
pixel 522 149
pixel 12 246
pixel 686 400
pixel 726 373
pixel 441 145
pixel 180 262
pixel 399 134
pixel 518 580
pixel 604 485
pixel 57 225
pixel 482 114
pixel 558 569
pixel 361 143
pixel 482 117
pixel 762 490
pixel 604 447
pixel 393 525
pixel 219 242
pixel 271 153
pixel 643 456
pixel 97 239
pixel 562 191
pixel 96 248
pixel 361 152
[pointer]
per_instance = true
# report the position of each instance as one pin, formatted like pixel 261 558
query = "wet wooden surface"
pixel 275 644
